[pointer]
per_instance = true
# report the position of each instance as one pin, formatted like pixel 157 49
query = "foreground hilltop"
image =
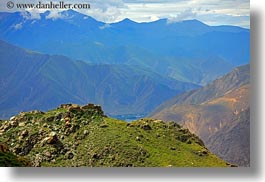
pixel 72 135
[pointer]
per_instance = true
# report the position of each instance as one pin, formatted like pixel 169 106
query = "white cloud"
pixel 18 26
pixel 149 10
pixel 107 25
pixel 106 14
pixel 184 15
pixel 31 14
pixel 54 15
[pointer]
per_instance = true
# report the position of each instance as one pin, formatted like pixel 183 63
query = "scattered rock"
pixel 173 124
pixel 6 127
pixel 50 119
pixel 67 119
pixel 3 148
pixel 104 125
pixel 48 154
pixel 65 106
pixel 52 139
pixel 22 124
pixel 13 118
pixel 183 137
pixel 24 133
pixel 22 114
pixel 94 107
pixel 231 165
pixel 36 112
pixel 37 161
pixel 67 124
pixel 69 155
pixel 74 108
pixel 88 106
pixel 202 153
pixel 67 114
pixel 158 121
pixel 17 149
pixel 86 132
pixel 20 138
pixel 58 117
pixel 95 156
pixel 146 127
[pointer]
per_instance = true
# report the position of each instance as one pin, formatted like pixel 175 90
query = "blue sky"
pixel 212 12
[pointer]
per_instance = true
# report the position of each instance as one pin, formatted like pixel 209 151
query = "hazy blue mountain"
pixel 31 80
pixel 189 51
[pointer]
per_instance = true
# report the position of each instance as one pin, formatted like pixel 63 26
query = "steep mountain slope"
pixel 167 48
pixel 35 81
pixel 214 113
pixel 230 135
pixel 219 87
pixel 82 136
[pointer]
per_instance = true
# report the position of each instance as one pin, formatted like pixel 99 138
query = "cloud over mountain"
pixel 214 12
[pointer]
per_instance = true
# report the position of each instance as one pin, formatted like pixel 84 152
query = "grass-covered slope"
pixel 8 159
pixel 82 136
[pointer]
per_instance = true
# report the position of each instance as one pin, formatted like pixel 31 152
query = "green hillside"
pixel 83 136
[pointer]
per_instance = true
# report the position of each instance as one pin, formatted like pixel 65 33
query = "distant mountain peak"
pixel 193 22
pixel 71 12
pixel 127 21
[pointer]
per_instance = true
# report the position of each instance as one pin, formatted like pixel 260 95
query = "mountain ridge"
pixel 71 12
pixel 192 97
pixel 200 51
pixel 37 81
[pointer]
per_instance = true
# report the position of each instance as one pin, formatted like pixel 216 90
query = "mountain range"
pixel 188 72
pixel 32 80
pixel 218 113
pixel 166 48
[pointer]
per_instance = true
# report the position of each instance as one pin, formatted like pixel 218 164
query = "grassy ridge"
pixel 82 136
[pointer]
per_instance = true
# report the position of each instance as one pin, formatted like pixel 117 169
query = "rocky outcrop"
pixel 37 129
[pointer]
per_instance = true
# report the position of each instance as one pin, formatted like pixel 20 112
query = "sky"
pixel 212 12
